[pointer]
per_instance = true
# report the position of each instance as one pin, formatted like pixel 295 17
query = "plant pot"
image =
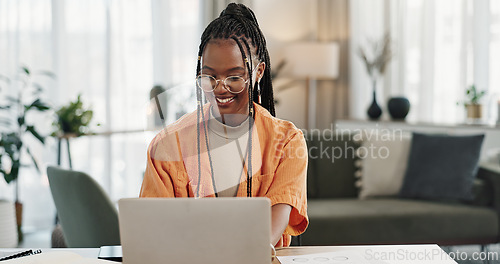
pixel 8 230
pixel 398 107
pixel 474 111
pixel 19 221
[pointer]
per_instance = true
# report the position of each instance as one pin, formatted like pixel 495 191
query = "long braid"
pixel 199 110
pixel 249 65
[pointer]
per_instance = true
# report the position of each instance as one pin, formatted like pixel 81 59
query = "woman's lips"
pixel 224 101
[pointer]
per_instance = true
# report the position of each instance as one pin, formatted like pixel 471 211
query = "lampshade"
pixel 318 60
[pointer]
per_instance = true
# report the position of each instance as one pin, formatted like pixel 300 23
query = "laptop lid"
pixel 188 230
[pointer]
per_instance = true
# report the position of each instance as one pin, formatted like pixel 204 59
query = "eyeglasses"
pixel 233 84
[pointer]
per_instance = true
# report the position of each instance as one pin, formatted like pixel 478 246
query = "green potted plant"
pixel 72 120
pixel 12 145
pixel 472 102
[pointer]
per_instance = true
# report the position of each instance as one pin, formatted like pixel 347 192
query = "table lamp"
pixel 313 61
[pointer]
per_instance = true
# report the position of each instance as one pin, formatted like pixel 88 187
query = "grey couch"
pixel 338 217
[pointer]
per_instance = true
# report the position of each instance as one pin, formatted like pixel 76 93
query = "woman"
pixel 208 153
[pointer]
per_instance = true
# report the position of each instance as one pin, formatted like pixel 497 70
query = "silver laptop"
pixel 188 230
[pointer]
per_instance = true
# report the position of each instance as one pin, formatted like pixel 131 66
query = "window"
pixel 112 52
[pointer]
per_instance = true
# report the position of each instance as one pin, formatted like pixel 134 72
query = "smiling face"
pixel 222 58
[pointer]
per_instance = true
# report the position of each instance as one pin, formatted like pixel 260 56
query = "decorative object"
pixel 376 59
pixel 398 107
pixel 442 167
pixel 374 111
pixel 313 61
pixel 156 116
pixel 472 104
pixel 8 231
pixel 12 144
pixel 73 119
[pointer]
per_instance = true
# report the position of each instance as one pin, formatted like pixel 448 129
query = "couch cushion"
pixel 397 221
pixel 442 167
pixel 331 167
pixel 384 159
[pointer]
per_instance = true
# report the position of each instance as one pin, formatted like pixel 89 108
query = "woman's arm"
pixel 280 214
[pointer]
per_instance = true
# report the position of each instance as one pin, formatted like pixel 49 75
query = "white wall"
pixel 283 22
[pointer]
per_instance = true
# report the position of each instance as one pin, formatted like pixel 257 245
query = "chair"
pixel 87 215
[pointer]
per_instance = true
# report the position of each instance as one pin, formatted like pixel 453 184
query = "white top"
pixel 228 150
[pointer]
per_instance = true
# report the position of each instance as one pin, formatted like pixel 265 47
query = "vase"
pixel 374 111
pixel 398 107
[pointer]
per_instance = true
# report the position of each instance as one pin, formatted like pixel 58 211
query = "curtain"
pixel 333 96
pixel 440 48
pixel 112 52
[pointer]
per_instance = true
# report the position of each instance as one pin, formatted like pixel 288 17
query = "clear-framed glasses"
pixel 233 84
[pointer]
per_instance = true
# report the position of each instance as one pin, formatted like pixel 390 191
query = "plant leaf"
pixel 34 160
pixel 47 73
pixel 39 105
pixel 35 134
pixel 26 70
pixel 20 120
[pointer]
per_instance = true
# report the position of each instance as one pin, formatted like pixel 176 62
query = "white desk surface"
pixel 423 253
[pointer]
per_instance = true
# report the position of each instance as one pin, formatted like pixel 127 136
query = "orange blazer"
pixel 279 165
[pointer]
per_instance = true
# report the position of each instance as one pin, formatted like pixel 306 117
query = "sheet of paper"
pixel 379 254
pixel 344 257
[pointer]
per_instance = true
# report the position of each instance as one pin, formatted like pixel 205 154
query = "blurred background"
pixel 113 52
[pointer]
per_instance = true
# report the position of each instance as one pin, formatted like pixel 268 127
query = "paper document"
pixel 344 257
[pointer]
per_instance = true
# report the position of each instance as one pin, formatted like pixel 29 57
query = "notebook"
pixel 188 230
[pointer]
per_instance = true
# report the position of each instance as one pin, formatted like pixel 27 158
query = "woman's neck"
pixel 233 120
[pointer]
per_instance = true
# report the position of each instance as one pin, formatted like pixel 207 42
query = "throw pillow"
pixel 383 162
pixel 442 167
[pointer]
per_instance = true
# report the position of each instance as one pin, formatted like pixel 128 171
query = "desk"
pixel 415 254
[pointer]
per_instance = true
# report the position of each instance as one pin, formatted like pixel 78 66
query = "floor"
pixel 461 254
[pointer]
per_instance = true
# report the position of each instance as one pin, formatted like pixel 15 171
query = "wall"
pixel 287 21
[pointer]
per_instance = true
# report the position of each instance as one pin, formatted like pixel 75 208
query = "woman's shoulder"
pixel 183 126
pixel 275 125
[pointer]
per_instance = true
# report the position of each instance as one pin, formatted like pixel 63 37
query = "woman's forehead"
pixel 222 54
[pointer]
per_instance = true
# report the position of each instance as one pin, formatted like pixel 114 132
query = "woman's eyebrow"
pixel 238 68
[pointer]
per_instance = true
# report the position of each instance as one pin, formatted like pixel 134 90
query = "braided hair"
pixel 238 22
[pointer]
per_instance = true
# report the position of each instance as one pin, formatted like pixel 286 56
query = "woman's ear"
pixel 260 70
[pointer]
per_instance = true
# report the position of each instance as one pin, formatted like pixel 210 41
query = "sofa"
pixel 339 217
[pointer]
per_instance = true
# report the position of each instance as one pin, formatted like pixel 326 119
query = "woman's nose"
pixel 219 85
